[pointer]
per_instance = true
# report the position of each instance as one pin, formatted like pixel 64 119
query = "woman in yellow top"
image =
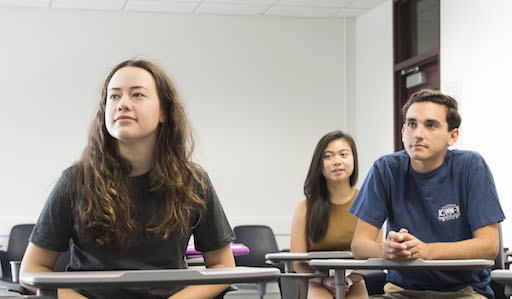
pixel 322 222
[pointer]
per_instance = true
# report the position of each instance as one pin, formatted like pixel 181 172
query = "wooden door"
pixel 416 53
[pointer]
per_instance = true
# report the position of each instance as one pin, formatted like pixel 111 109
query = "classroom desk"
pixel 505 278
pixel 47 283
pixel 289 257
pixel 340 265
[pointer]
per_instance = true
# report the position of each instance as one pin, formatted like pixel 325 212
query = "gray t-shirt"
pixel 54 230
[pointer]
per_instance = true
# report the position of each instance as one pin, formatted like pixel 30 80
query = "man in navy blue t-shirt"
pixel 440 204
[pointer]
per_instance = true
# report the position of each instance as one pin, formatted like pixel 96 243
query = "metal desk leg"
pixel 339 283
pixel 288 266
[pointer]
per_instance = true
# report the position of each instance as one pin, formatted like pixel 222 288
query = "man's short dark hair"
pixel 428 95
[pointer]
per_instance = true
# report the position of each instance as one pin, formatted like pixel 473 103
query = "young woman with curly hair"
pixel 134 198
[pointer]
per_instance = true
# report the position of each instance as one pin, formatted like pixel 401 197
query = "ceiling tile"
pixel 365 3
pixel 161 6
pixel 89 4
pixel 301 11
pixel 349 12
pixel 315 3
pixel 298 8
pixel 233 8
pixel 25 3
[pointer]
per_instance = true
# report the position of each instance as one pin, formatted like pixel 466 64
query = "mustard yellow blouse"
pixel 340 231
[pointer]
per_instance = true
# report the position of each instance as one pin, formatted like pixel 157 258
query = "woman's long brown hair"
pixel 315 187
pixel 104 199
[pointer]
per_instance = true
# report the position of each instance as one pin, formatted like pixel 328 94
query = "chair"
pixel 260 240
pixel 18 242
pixel 499 264
pixel 374 280
pixel 507 256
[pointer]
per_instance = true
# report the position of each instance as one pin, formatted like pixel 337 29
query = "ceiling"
pixel 292 8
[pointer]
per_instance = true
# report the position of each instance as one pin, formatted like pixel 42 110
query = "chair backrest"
pixel 499 263
pixel 63 261
pixel 18 242
pixel 260 240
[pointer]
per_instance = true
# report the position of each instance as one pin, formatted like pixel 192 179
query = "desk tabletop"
pixel 378 263
pixel 305 256
pixel 502 276
pixel 149 278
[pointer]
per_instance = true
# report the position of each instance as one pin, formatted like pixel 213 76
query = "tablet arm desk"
pixel 289 257
pixel 47 283
pixel 340 266
pixel 505 278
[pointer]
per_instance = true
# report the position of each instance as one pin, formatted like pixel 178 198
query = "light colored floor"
pixel 6 293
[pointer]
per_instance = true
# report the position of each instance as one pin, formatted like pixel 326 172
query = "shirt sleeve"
pixel 483 203
pixel 53 229
pixel 371 203
pixel 213 231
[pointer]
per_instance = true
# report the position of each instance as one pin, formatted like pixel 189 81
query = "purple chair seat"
pixel 238 249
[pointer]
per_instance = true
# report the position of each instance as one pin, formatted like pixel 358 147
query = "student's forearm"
pixel 37 259
pixel 200 291
pixel 364 248
pixel 467 249
pixel 484 245
pixel 33 269
pixel 367 241
pixel 220 258
pixel 63 293
pixel 69 294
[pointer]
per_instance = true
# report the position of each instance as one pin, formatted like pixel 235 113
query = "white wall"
pixel 260 92
pixel 372 125
pixel 475 68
